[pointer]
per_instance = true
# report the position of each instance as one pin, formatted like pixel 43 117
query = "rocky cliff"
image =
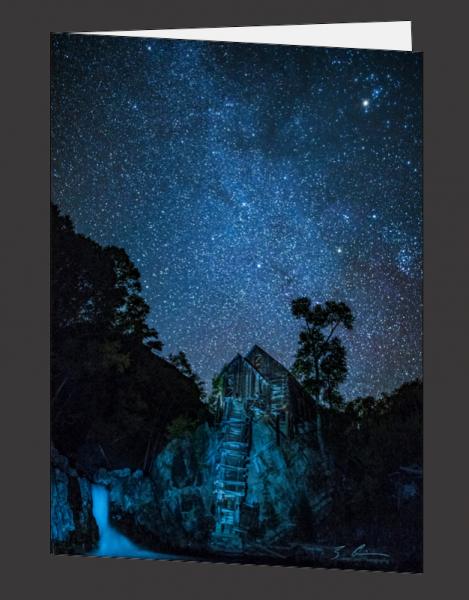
pixel 172 508
pixel 287 514
pixel 169 509
pixel 73 528
pixel 287 494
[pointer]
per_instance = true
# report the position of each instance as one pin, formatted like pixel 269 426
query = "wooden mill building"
pixel 255 386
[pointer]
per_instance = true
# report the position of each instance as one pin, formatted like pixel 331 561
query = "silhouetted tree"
pixel 320 363
pixel 377 444
pixel 130 316
pixel 112 397
pixel 182 364
pixel 95 288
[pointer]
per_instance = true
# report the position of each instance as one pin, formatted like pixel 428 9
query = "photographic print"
pixel 236 303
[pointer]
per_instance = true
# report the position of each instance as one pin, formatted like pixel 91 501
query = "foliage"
pixel 94 288
pixel 182 364
pixel 377 446
pixel 213 399
pixel 112 396
pixel 388 429
pixel 320 363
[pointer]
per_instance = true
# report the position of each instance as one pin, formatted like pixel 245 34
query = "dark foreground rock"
pixel 287 516
pixel 73 527
pixel 172 508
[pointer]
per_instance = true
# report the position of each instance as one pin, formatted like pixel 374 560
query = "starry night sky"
pixel 240 176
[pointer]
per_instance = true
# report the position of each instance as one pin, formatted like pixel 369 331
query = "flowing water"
pixel 111 542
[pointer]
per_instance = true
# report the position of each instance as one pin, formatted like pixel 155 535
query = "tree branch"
pixel 332 331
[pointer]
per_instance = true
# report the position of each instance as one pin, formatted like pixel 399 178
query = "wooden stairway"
pixel 231 474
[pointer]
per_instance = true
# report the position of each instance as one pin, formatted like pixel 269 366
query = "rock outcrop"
pixel 172 508
pixel 287 496
pixel 73 527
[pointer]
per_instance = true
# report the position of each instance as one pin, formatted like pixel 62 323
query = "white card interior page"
pixel 394 35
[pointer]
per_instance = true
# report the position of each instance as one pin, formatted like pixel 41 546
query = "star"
pixel 236 190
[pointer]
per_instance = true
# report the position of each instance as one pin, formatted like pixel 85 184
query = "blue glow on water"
pixel 111 542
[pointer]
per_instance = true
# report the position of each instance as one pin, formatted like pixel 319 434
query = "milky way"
pixel 240 176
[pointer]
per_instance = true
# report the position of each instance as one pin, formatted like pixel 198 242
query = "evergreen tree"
pixel 181 362
pixel 112 397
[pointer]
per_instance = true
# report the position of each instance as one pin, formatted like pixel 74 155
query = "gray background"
pixel 29 571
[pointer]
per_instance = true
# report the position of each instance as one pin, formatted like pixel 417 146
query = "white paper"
pixel 394 35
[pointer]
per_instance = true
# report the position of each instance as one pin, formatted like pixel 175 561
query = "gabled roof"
pixel 268 366
pixel 271 368
pixel 241 359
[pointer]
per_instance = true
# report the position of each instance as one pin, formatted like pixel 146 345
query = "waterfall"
pixel 111 542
